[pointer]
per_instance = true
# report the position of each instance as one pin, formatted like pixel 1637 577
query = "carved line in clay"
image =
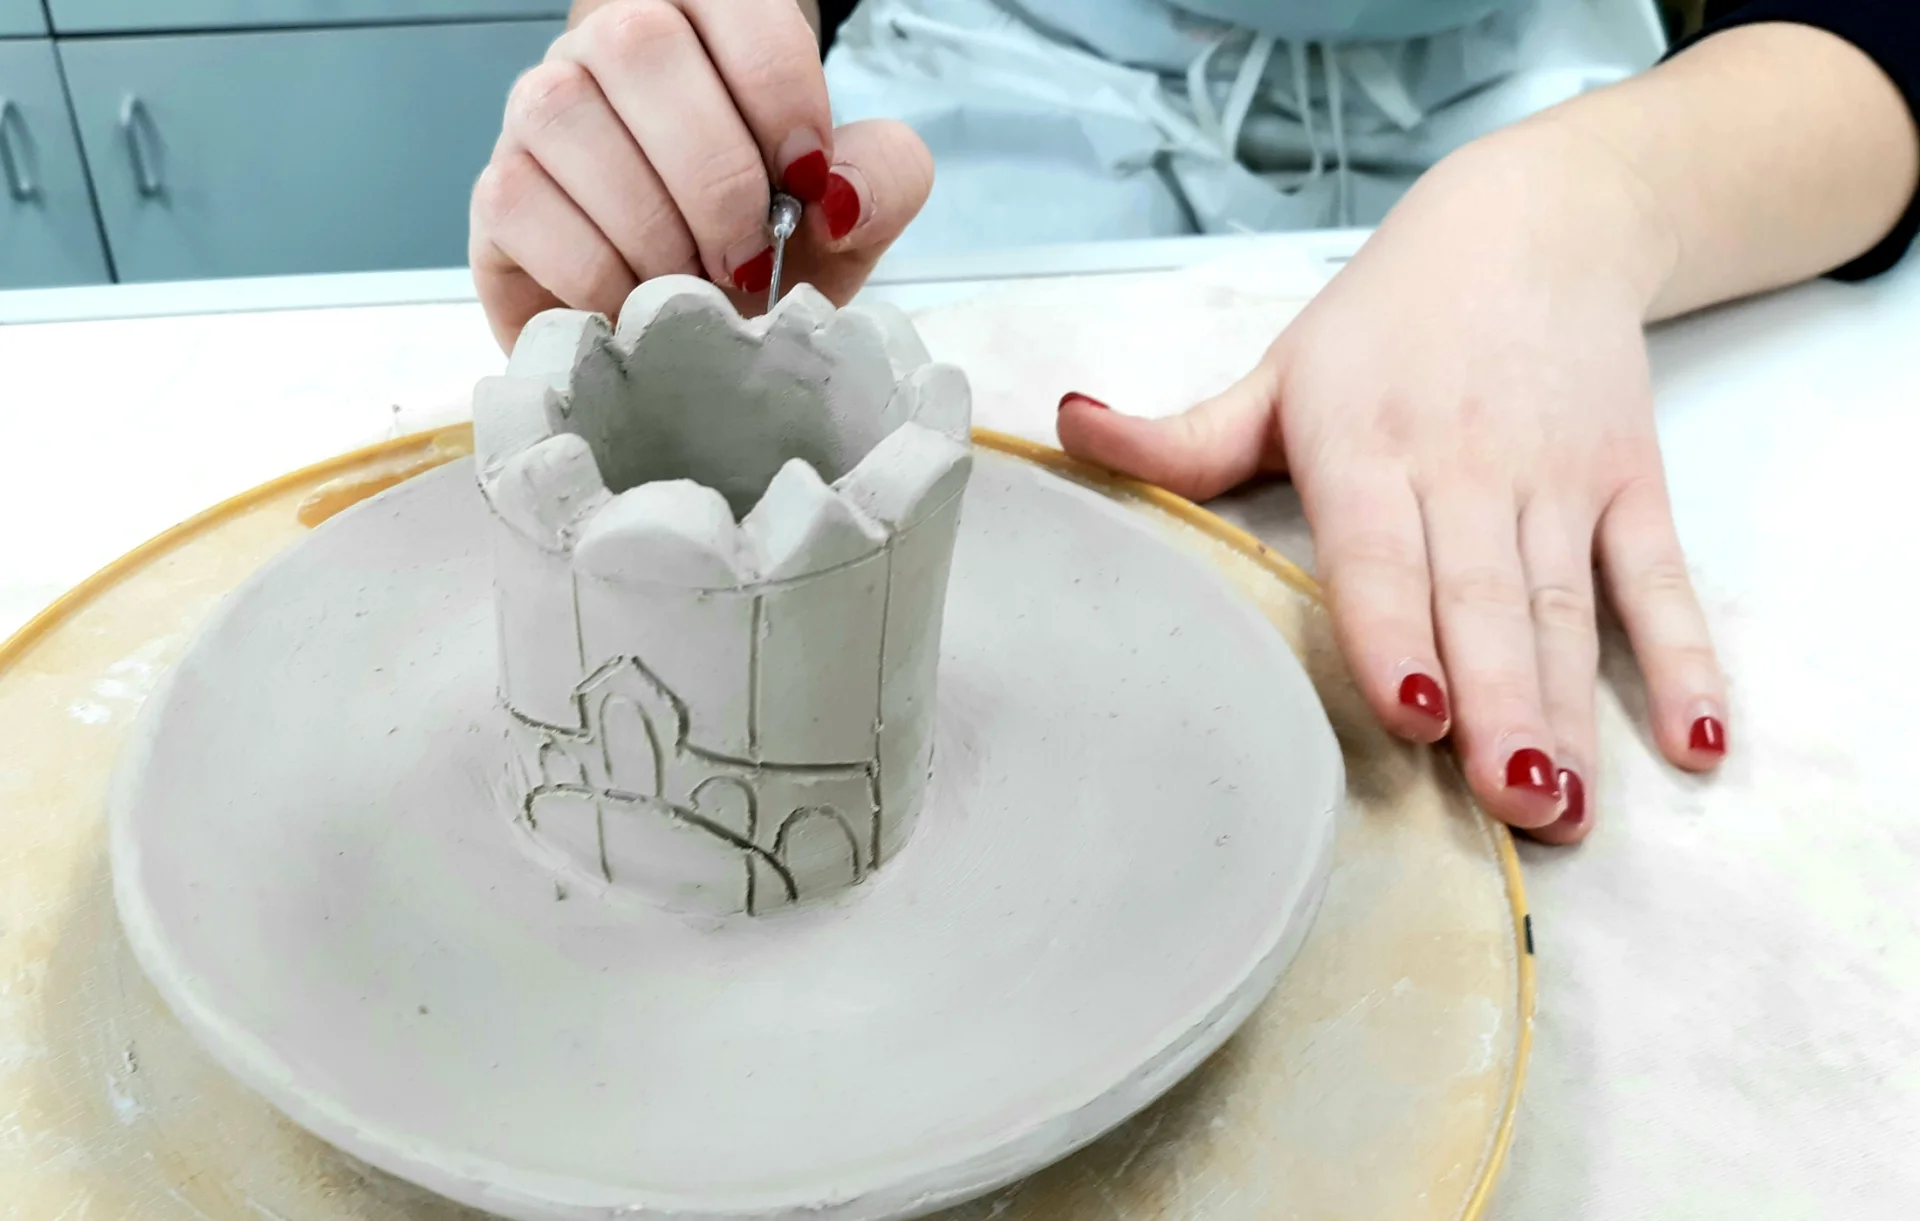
pixel 828 812
pixel 873 795
pixel 880 687
pixel 594 716
pixel 753 678
pixel 640 801
pixel 753 827
pixel 547 752
pixel 646 725
pixel 774 586
pixel 864 767
pixel 590 730
pixel 757 587
pixel 693 750
pixel 584 689
pixel 579 629
pixel 680 717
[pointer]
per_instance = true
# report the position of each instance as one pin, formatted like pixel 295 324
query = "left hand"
pixel 1466 412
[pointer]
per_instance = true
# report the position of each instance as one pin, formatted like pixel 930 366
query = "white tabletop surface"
pixel 1729 969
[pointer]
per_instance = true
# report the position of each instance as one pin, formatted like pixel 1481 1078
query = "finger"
pixel 558 114
pixel 1200 453
pixel 1371 551
pixel 651 66
pixel 1486 639
pixel 509 296
pixel 1646 576
pixel 881 176
pixel 769 59
pixel 1556 547
pixel 532 248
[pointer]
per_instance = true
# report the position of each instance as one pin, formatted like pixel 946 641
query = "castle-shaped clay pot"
pixel 721 551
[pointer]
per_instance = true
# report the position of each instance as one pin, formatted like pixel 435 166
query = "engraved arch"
pixel 709 799
pixel 620 719
pixel 728 800
pixel 828 814
pixel 590 798
pixel 604 797
pixel 629 676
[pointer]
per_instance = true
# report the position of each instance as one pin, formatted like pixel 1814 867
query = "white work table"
pixel 1729 1014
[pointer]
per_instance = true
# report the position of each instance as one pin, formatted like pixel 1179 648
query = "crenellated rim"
pixel 695 447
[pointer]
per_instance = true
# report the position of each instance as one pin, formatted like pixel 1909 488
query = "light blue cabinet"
pixel 19 17
pixel 47 231
pixel 114 16
pixel 296 151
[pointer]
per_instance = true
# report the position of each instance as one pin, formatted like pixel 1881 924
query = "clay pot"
pixel 721 552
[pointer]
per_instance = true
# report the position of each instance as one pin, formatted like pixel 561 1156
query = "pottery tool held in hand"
pixel 783 217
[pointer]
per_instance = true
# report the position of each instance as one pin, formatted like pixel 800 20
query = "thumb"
pixel 880 178
pixel 1207 449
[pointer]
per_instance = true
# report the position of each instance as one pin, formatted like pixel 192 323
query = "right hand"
pixel 648 142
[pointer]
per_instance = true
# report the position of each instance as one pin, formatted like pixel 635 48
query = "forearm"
pixel 582 7
pixel 1762 156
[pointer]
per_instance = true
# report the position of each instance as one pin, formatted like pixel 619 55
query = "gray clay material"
pixel 1124 842
pixel 721 551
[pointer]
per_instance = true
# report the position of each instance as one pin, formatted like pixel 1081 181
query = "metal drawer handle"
pixel 13 161
pixel 143 147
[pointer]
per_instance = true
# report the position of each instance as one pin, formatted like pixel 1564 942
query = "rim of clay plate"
pixel 446 444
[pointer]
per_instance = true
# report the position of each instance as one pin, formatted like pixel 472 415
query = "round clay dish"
pixel 1379 1080
pixel 1128 831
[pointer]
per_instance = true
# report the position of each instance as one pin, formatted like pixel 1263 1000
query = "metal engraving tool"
pixel 783 217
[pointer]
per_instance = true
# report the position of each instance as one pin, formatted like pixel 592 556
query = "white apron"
pixel 1090 120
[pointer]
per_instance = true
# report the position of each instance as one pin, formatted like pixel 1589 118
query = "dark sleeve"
pixel 1889 32
pixel 833 15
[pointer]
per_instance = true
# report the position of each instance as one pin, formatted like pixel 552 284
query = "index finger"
pixel 768 57
pixel 1370 547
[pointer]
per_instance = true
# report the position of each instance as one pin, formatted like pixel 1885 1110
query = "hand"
pixel 1466 413
pixel 647 143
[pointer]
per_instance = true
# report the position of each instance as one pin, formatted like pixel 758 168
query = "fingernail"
pixel 1082 399
pixel 1708 735
pixel 841 202
pixel 1420 693
pixel 805 177
pixel 1575 811
pixel 756 274
pixel 1532 770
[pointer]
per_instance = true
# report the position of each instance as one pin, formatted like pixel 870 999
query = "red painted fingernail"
pixel 1532 770
pixel 1708 735
pixel 841 204
pixel 1576 795
pixel 805 178
pixel 1083 400
pixel 1420 693
pixel 756 274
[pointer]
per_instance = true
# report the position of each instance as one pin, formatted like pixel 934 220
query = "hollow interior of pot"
pixel 695 400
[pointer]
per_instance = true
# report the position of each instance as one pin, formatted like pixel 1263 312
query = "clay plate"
pixel 1129 829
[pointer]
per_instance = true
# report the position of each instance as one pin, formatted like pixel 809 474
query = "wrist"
pixel 1565 203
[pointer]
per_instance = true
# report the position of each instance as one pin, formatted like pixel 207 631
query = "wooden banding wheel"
pixel 1378 1081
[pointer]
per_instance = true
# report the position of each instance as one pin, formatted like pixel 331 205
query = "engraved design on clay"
pixel 721 551
pixel 582 764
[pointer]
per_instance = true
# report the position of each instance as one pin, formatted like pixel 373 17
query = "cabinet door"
pixel 48 234
pixel 18 17
pixel 293 152
pixel 133 16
